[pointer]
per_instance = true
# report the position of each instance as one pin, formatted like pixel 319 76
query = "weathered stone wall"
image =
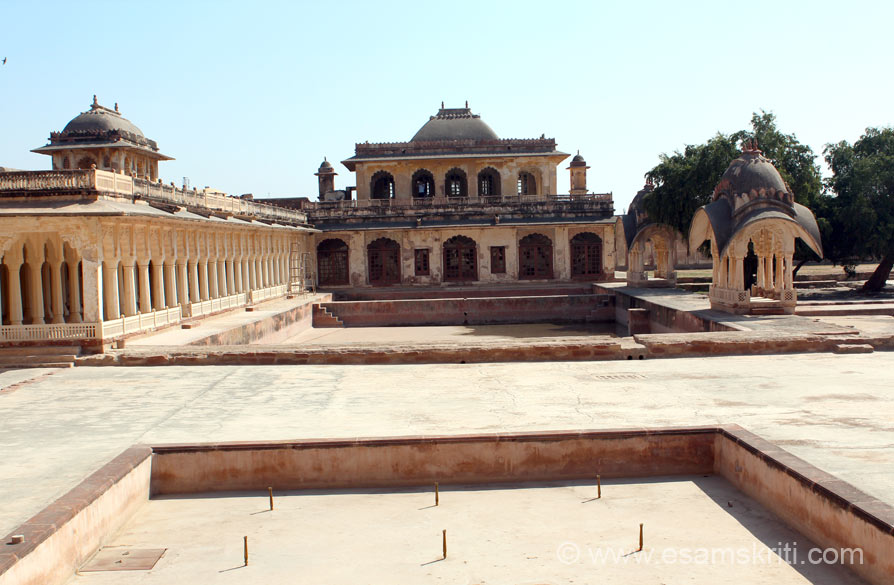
pixel 474 311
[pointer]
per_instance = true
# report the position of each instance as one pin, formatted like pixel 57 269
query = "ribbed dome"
pixel 752 174
pixel 578 161
pixel 99 119
pixel 325 165
pixel 455 124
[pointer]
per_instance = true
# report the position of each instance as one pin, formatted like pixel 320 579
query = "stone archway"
pixel 586 255
pixel 535 257
pixel 460 259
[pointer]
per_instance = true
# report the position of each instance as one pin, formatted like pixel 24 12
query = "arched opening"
pixel 127 166
pixel 382 185
pixel 535 257
pixel 749 267
pixel 25 292
pixel 586 255
pixel 86 162
pixel 526 184
pixel 423 184
pixel 460 259
pixel 106 162
pixel 332 262
pixel 489 183
pixel 455 183
pixel 384 262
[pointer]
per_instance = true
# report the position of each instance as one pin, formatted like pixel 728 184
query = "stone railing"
pixel 728 295
pixel 49 332
pixel 21 182
pixel 458 201
pixel 138 323
pixel 263 294
pixel 216 305
pixel 47 181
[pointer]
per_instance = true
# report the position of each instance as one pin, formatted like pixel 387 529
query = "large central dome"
pixel 455 124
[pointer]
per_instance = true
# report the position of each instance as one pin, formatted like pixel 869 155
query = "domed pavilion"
pixel 752 224
pixel 103 138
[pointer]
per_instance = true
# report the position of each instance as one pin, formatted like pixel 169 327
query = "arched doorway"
pixel 535 257
pixel 460 259
pixel 527 185
pixel 384 262
pixel 332 262
pixel 586 255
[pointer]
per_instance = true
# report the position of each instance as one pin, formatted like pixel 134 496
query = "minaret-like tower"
pixel 326 176
pixel 578 168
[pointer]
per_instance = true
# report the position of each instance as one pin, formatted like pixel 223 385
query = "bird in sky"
pixel 4 60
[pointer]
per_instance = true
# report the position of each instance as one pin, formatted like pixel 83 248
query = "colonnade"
pixel 54 278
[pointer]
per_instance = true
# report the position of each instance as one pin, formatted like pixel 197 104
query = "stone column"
pixel 212 278
pixel 231 277
pixel 57 301
pixel 129 288
pixel 171 289
pixel 145 294
pixel 110 285
pixel 93 290
pixel 183 283
pixel 222 277
pixel 193 288
pixel 159 280
pixel 36 292
pixel 237 276
pixel 74 289
pixel 789 272
pixel 203 280
pixel 13 265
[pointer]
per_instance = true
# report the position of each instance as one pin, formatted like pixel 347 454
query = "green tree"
pixel 860 210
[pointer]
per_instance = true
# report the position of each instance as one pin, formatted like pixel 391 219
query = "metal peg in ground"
pixel 444 539
pixel 436 494
pixel 245 549
pixel 270 491
pixel 640 537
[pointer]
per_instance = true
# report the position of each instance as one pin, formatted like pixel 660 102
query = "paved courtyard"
pixel 836 411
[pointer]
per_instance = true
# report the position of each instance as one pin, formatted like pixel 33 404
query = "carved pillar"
pixel 129 287
pixel 110 286
pixel 93 290
pixel 777 283
pixel 36 286
pixel 74 290
pixel 237 276
pixel 203 280
pixel 13 266
pixel 56 299
pixel 182 282
pixel 145 293
pixel 213 279
pixel 222 277
pixel 159 282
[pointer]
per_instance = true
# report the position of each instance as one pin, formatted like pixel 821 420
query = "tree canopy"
pixel 859 207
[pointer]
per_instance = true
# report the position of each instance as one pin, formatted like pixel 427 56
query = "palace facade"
pixel 456 204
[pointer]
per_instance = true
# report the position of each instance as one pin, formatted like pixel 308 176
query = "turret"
pixel 326 175
pixel 578 168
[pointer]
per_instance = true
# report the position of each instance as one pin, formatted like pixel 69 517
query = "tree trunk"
pixel 876 282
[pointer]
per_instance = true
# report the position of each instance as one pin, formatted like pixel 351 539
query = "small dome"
pixel 578 161
pixel 751 174
pixel 99 119
pixel 325 165
pixel 454 124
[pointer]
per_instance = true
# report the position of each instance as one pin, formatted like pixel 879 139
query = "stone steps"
pixel 38 357
pixel 853 348
pixel 322 318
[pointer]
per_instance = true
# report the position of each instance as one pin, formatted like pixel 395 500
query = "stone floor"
pixel 835 411
pixel 531 533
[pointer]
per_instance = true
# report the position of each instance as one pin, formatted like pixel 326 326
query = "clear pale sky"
pixel 250 96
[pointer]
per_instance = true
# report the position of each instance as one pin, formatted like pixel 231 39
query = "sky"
pixel 250 96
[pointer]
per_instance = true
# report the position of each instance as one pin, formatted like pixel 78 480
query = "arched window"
pixel 489 183
pixel 423 184
pixel 586 255
pixel 526 184
pixel 86 162
pixel 455 183
pixel 460 259
pixel 332 262
pixel 384 262
pixel 535 257
pixel 382 186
